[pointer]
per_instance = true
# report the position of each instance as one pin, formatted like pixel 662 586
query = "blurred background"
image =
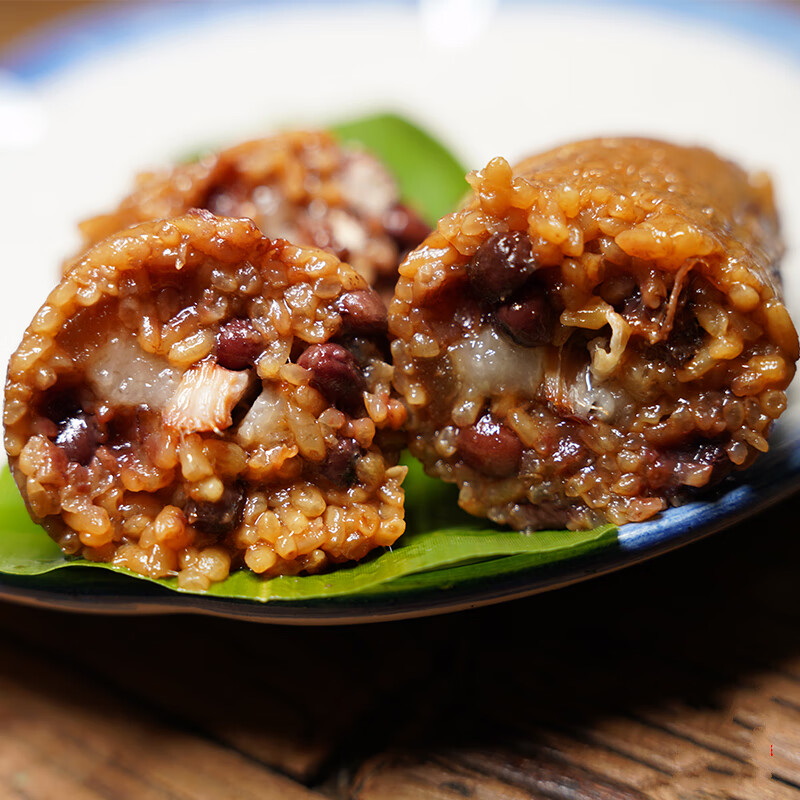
pixel 92 92
pixel 678 678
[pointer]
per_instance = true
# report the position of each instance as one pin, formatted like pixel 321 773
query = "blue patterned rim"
pixel 85 34
pixel 776 475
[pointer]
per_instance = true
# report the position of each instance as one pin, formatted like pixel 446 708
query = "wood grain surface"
pixel 678 679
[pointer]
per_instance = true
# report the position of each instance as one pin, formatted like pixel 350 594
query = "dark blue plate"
pixel 44 63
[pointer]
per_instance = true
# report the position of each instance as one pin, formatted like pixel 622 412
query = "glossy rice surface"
pixel 194 397
pixel 597 333
pixel 303 186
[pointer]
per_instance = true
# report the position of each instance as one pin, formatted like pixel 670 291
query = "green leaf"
pixel 25 549
pixel 443 546
pixel 431 179
pixel 419 561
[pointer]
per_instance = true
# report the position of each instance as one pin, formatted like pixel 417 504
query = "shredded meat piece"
pixel 205 398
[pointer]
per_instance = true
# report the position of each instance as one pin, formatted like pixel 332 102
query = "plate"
pixel 86 105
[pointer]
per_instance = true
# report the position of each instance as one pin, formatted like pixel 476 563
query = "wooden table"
pixel 676 679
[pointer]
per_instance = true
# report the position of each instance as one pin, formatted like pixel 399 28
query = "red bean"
pixel 526 316
pixel 339 466
pixel 239 344
pixel 405 226
pixel 709 454
pixel 683 342
pixel 362 312
pixel 78 436
pixel 217 518
pixel 501 264
pixel 335 374
pixel 548 514
pixel 490 447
